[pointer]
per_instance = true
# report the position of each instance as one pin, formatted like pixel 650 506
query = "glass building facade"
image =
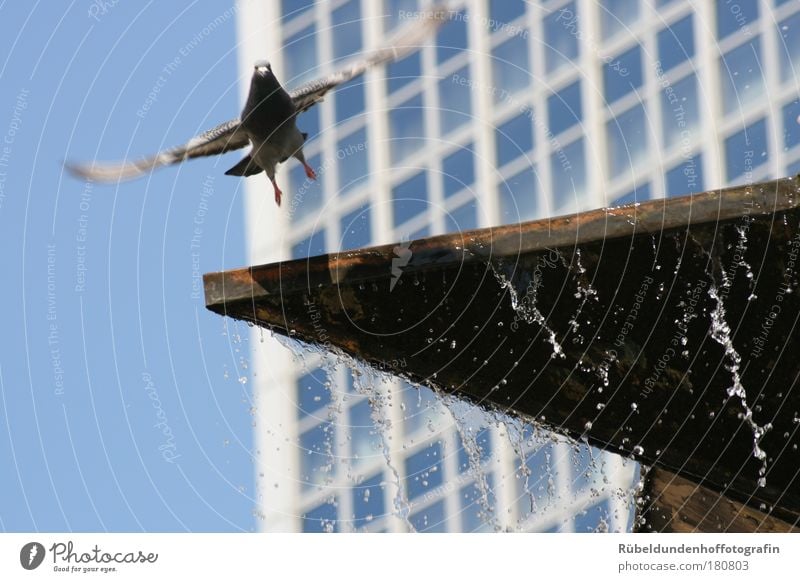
pixel 515 111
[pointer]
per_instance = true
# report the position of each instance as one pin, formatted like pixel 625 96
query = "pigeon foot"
pixel 278 192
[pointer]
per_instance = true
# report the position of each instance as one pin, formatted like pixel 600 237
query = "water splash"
pixel 515 433
pixel 366 382
pixel 526 307
pixel 538 457
pixel 584 291
pixel 721 333
pixel 469 421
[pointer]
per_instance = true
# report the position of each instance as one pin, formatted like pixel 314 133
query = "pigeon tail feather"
pixel 245 167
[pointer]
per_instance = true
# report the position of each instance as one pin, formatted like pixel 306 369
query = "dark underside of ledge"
pixel 627 293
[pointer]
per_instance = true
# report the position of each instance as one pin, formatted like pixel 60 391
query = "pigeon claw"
pixel 278 192
pixel 310 173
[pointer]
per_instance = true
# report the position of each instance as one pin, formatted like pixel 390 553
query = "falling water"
pixel 527 309
pixel 515 433
pixel 584 291
pixel 469 420
pixel 721 333
pixel 365 382
pixel 540 477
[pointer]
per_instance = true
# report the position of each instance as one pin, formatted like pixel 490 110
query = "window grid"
pixel 646 29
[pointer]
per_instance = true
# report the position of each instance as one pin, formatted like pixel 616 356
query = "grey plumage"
pixel 268 119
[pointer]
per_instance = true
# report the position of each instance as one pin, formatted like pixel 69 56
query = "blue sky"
pixel 121 406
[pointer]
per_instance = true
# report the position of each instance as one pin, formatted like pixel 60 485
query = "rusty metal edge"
pixel 250 283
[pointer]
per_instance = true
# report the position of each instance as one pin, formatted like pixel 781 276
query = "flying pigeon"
pixel 268 120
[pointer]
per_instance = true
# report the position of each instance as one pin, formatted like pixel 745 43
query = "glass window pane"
pixel 514 138
pixel 735 16
pixel 410 198
pixel 680 114
pixel 368 504
pixel 310 247
pixel 452 38
pixel 458 170
pixel 321 519
pixel 591 520
pixel 502 12
pixel 538 462
pixel 616 15
pixel 349 100
pixel 627 141
pixel 313 392
pixel 424 470
pixel 518 197
pixel 407 128
pixel 421 409
pixel 305 194
pixel 561 37
pixel 454 101
pixel 789 47
pixel 346 29
pixel 398 12
pixel 465 217
pixel 564 108
pixel 676 43
pixel 308 121
pixel 352 160
pixel 366 442
pixel 791 124
pixel 292 8
pixel 473 512
pixel 740 76
pixel 623 74
pixel 300 57
pixel 355 229
pixel 407 234
pixel 429 520
pixel 316 455
pixel 568 167
pixel 401 73
pixel 745 150
pixel 686 177
pixel 510 69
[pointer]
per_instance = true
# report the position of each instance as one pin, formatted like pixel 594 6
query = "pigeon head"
pixel 263 67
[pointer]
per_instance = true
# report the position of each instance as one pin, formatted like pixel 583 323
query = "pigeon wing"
pixel 223 138
pixel 408 39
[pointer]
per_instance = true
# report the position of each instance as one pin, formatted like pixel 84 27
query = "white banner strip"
pixel 348 557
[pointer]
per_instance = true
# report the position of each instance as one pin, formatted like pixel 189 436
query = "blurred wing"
pixel 408 39
pixel 222 138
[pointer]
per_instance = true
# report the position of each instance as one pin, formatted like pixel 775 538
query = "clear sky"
pixel 121 405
